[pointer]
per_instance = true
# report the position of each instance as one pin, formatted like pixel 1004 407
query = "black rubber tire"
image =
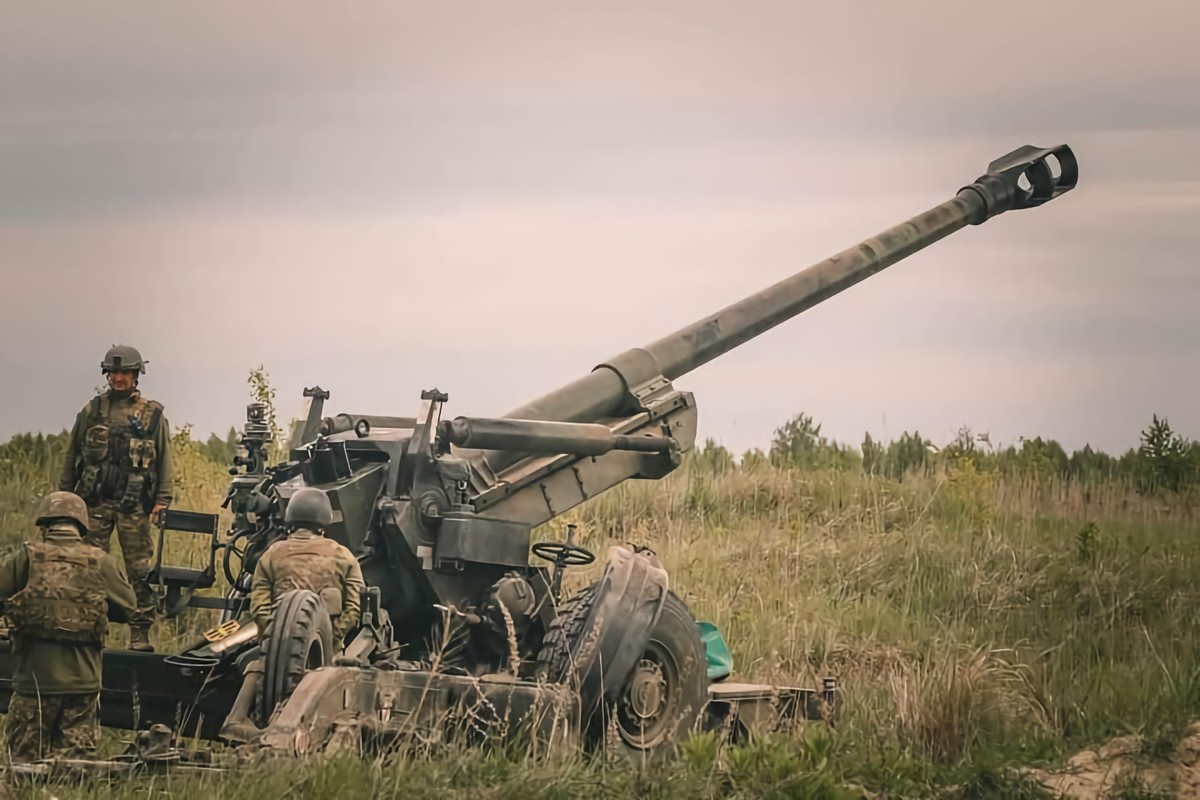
pixel 674 644
pixel 299 639
pixel 554 656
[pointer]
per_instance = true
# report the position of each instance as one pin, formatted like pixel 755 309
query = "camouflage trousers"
pixel 137 546
pixel 50 725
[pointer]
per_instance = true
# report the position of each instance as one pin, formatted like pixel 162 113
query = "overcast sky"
pixel 490 198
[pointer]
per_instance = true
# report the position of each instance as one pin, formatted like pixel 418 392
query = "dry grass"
pixel 973 622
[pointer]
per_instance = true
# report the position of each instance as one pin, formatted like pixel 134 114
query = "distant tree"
pixel 799 443
pixel 221 450
pixel 1091 465
pixel 1042 458
pixel 909 453
pixel 712 458
pixel 1165 461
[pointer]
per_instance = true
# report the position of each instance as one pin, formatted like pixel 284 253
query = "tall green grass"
pixel 976 620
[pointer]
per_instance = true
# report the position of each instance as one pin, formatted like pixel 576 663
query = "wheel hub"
pixel 646 695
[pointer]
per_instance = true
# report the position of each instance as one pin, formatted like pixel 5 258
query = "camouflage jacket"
pixel 53 667
pixel 306 560
pixel 118 447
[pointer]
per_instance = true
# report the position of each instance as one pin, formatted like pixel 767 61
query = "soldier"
pixel 60 594
pixel 119 461
pixel 307 560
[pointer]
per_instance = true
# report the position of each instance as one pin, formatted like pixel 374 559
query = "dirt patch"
pixel 1121 765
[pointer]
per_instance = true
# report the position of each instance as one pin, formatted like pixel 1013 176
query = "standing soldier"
pixel 60 593
pixel 307 560
pixel 119 461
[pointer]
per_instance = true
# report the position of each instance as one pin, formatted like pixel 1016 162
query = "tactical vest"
pixel 65 598
pixel 119 456
pixel 312 564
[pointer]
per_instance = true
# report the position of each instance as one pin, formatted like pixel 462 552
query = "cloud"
pixel 384 105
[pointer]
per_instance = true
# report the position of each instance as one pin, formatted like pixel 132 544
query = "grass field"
pixel 977 621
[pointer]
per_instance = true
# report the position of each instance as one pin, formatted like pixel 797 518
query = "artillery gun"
pixel 461 635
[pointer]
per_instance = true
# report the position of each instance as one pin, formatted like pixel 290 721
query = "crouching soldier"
pixel 60 593
pixel 307 560
pixel 304 560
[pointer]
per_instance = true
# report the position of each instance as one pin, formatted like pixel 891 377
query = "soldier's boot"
pixel 139 638
pixel 143 618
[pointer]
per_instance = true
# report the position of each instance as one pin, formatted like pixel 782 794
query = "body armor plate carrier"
pixel 119 457
pixel 65 598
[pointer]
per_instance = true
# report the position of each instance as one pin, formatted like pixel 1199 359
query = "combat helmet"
pixel 308 507
pixel 121 357
pixel 63 505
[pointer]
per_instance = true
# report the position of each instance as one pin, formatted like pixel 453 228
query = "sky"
pixel 491 198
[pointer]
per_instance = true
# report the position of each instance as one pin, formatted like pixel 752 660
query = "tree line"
pixel 1163 461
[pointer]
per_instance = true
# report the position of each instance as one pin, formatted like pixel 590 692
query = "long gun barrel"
pixel 616 383
pixel 540 436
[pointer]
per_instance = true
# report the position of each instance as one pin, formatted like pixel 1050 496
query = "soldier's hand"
pixel 156 513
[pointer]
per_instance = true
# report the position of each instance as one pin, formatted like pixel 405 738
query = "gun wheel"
pixel 299 639
pixel 663 696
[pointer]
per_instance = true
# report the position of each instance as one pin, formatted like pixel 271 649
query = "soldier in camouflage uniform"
pixel 307 560
pixel 119 461
pixel 60 593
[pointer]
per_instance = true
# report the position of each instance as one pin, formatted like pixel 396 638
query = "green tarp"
pixel 720 660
